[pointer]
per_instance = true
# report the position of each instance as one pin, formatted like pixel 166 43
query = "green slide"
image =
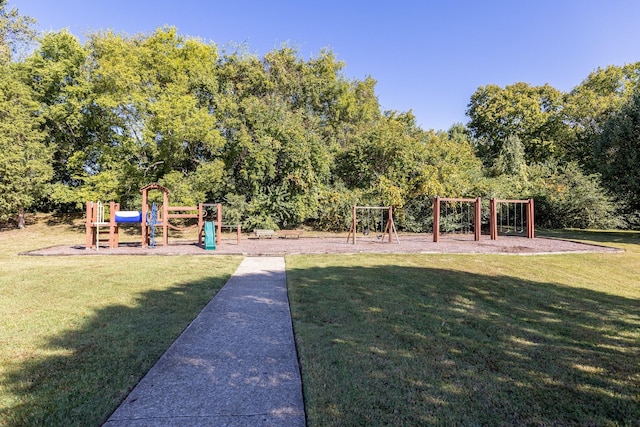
pixel 209 236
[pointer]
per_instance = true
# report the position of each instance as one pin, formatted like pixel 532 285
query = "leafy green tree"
pixel 16 32
pixel 396 163
pixel 278 136
pixel 459 169
pixel 386 159
pixel 449 169
pixel 336 202
pixel 55 73
pixel 591 104
pixel 235 208
pixel 25 160
pixel 279 117
pixel 617 153
pixel 511 158
pixel 125 111
pixel 532 113
pixel 568 198
pixel 453 170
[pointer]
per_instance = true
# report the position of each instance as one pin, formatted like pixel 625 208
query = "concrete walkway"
pixel 235 365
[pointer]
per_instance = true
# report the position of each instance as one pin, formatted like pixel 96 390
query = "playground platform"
pixel 235 365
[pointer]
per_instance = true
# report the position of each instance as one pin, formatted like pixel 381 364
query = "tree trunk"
pixel 21 218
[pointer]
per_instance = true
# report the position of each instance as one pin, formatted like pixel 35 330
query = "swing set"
pixel 370 222
pixel 456 215
pixel 508 216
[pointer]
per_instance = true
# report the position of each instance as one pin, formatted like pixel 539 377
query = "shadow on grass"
pixel 87 371
pixel 390 345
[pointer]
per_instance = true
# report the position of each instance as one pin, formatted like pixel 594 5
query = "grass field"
pixel 77 333
pixel 470 340
pixel 383 340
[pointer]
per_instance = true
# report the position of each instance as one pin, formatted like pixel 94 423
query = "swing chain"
pixel 378 224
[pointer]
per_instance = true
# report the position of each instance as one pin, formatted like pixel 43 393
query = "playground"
pixel 475 310
pixel 457 224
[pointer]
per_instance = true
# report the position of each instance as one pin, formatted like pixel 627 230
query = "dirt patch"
pixel 339 245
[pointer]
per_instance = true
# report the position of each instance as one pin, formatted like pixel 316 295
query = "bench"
pixel 260 233
pixel 290 234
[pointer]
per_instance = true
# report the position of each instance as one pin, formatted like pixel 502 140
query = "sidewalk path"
pixel 235 365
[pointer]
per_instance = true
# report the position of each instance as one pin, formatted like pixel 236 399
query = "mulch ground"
pixel 407 244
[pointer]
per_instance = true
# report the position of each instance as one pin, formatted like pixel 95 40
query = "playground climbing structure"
pixel 152 218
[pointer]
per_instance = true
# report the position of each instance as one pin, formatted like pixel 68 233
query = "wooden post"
pixel 352 228
pixel 239 234
pixel 21 220
pixel 113 239
pixel 200 222
pixel 436 219
pixel 165 218
pixel 493 219
pixel 530 220
pixel 117 229
pixel 218 223
pixel 87 225
pixel 477 220
pixel 390 225
pixel 354 223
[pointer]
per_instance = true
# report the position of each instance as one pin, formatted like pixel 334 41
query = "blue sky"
pixel 427 56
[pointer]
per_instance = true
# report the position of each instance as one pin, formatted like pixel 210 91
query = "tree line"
pixel 284 141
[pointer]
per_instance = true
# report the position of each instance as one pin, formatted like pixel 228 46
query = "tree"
pixel 394 162
pixel 617 153
pixel 388 154
pixel 15 32
pixel 591 104
pixel 567 197
pixel 125 111
pixel 284 119
pixel 55 72
pixel 510 160
pixel 531 113
pixel 25 160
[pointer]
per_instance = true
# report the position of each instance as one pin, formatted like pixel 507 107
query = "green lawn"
pixel 77 333
pixel 470 340
pixel 383 340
